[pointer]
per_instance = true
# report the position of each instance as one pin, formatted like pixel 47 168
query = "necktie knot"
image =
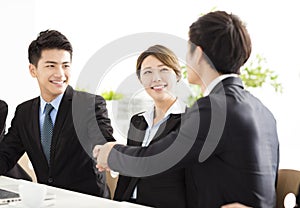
pixel 48 108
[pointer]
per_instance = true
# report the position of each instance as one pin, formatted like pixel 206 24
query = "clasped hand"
pixel 101 153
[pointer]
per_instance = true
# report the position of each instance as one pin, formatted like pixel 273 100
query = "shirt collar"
pixel 55 103
pixel 178 107
pixel 217 80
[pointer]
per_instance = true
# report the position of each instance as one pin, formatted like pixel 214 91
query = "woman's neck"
pixel 161 108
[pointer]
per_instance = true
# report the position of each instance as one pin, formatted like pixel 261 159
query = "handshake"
pixel 101 153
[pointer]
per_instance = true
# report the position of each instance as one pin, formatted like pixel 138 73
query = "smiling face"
pixel 52 72
pixel 158 79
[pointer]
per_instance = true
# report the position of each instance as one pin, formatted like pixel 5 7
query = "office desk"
pixel 65 198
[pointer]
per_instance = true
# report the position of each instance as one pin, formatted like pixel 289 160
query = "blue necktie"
pixel 47 130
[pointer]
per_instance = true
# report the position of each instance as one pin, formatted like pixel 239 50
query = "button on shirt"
pixel 178 107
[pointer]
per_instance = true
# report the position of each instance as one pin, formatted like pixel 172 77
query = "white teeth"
pixel 58 82
pixel 158 87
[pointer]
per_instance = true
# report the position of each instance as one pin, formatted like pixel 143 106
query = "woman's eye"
pixel 164 69
pixel 147 72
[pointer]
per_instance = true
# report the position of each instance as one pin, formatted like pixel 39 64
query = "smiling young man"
pixel 56 129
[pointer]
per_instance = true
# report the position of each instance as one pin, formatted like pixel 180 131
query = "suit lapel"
pixel 137 131
pixel 136 134
pixel 166 127
pixel 63 111
pixel 35 111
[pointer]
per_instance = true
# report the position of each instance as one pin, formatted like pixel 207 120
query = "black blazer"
pixel 17 171
pixel 228 143
pixel 71 166
pixel 158 190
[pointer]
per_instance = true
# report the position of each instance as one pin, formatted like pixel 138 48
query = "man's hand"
pixel 96 150
pixel 101 152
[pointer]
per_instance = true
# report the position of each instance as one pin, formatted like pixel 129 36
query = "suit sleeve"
pixel 11 147
pixel 103 121
pixel 3 115
pixel 91 121
pixel 176 150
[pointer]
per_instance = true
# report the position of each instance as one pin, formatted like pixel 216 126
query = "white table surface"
pixel 65 198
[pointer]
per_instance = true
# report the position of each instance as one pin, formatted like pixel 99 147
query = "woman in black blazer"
pixel 158 71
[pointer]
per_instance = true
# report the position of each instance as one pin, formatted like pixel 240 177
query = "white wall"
pixel 91 24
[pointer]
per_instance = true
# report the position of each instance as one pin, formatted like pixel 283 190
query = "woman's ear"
pixel 139 78
pixel 178 77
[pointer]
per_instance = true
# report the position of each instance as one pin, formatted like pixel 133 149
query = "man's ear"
pixel 199 53
pixel 32 70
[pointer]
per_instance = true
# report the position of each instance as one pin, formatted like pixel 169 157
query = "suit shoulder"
pixel 28 103
pixel 87 95
pixel 3 104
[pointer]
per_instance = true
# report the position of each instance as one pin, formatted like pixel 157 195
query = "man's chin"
pixel 60 90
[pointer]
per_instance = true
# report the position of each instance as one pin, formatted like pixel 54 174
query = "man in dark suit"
pixel 17 171
pixel 228 139
pixel 59 142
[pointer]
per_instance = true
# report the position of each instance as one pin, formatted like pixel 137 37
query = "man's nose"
pixel 59 70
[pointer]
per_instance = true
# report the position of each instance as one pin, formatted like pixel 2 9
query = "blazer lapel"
pixel 64 108
pixel 137 131
pixel 36 123
pixel 131 186
pixel 136 134
pixel 166 127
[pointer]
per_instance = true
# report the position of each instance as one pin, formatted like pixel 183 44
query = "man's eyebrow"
pixel 54 62
pixel 50 62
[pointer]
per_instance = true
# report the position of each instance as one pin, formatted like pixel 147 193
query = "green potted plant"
pixel 111 95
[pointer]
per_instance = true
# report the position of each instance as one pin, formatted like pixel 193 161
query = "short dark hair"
pixel 163 54
pixel 224 39
pixel 48 39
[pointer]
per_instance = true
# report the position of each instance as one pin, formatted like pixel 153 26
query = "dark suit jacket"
pixel 3 115
pixel 17 171
pixel 158 190
pixel 229 145
pixel 71 166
